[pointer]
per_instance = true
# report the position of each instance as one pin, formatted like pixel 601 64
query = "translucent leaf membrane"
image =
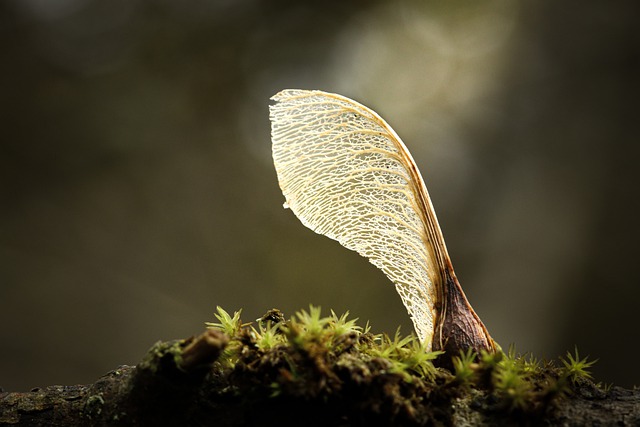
pixel 345 174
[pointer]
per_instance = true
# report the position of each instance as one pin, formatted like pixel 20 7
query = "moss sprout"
pixel 575 367
pixel 226 323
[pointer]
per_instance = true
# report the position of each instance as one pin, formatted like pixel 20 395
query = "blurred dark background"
pixel 137 189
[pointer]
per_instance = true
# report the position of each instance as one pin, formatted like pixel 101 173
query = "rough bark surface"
pixel 179 383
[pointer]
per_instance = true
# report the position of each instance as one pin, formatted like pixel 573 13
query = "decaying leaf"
pixel 346 174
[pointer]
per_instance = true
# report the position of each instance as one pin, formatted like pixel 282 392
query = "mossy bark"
pixel 184 383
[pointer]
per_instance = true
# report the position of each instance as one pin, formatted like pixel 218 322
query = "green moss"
pixel 230 325
pixel 575 368
pixel 311 356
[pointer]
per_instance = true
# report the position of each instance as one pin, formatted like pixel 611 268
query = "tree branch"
pixel 196 382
